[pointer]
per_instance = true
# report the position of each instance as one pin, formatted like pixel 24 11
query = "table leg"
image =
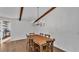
pixel 41 48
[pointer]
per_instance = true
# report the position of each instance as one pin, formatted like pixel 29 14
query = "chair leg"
pixel 51 46
pixel 41 48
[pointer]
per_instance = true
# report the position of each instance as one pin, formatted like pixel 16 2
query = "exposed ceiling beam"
pixel 52 8
pixel 21 12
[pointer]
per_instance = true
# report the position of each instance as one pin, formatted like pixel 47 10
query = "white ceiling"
pixel 28 12
pixel 11 12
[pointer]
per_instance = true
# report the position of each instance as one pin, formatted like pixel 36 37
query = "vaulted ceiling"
pixel 9 12
pixel 28 12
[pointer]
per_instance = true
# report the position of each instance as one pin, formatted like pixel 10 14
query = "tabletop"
pixel 39 39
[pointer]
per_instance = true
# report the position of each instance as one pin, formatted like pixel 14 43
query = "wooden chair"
pixel 36 48
pixel 47 35
pixel 27 35
pixel 31 33
pixel 31 45
pixel 49 45
pixel 41 34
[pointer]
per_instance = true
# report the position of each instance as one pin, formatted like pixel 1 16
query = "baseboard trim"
pixel 60 49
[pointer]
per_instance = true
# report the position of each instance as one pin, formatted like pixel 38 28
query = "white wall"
pixel 63 24
pixel 21 28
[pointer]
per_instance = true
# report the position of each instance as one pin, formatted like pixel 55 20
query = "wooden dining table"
pixel 39 39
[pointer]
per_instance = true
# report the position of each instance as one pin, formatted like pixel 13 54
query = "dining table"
pixel 40 40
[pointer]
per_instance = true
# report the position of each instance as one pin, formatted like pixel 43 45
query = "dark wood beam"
pixel 44 14
pixel 21 12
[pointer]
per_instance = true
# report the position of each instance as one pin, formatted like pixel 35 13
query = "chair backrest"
pixel 50 45
pixel 31 42
pixel 27 35
pixel 41 34
pixel 47 35
pixel 31 33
